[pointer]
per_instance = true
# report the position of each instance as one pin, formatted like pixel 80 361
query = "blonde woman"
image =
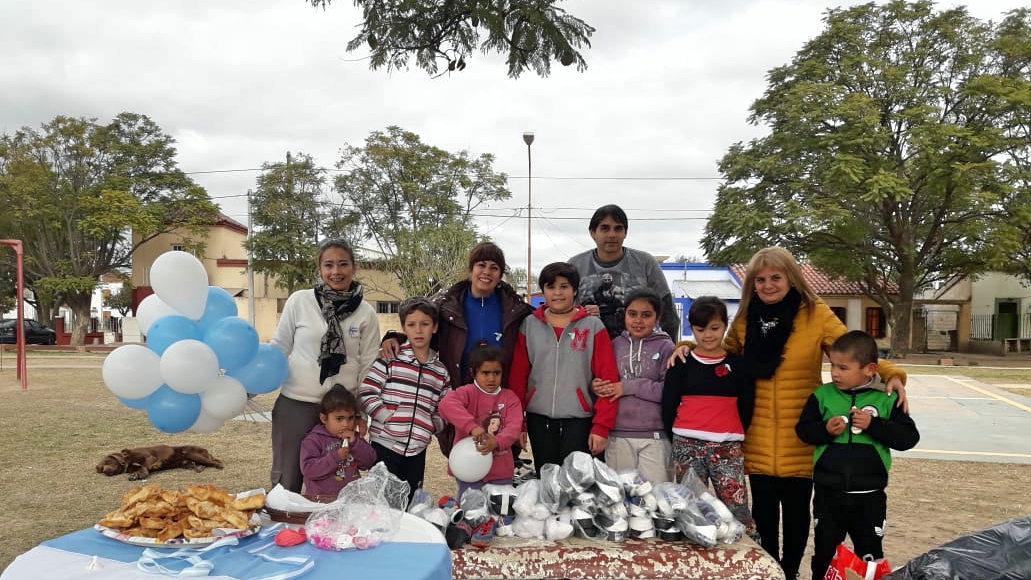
pixel 783 329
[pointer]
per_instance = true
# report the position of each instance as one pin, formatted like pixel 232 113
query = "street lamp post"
pixel 528 139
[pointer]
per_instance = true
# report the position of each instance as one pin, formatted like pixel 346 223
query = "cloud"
pixel 240 82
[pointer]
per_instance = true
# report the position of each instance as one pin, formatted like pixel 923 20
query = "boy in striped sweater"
pixel 707 403
pixel 400 396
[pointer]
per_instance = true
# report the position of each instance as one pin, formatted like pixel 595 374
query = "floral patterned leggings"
pixel 721 463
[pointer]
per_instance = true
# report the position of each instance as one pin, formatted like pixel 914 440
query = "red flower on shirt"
pixel 722 370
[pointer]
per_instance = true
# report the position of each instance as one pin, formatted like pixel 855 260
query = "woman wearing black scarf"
pixel 330 336
pixel 783 329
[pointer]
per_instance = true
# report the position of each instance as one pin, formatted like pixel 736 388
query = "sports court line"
pixel 967 383
pixel 986 453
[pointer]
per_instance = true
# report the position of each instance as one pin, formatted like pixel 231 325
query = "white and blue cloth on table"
pixel 88 555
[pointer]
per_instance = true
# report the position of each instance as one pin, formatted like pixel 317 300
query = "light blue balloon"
pixel 265 372
pixel 234 341
pixel 171 411
pixel 140 403
pixel 220 304
pixel 169 329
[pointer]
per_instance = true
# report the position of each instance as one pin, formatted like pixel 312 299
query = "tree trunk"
pixel 80 306
pixel 902 314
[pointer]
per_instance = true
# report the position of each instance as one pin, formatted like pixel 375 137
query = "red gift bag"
pixel 846 565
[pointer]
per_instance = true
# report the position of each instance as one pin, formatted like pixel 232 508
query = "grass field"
pixel 55 432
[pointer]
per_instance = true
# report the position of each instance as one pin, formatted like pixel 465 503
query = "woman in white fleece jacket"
pixel 330 335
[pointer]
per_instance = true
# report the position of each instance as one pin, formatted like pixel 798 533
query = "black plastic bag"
pixel 1002 552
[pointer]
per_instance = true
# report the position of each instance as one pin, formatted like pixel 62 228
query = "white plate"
pixel 174 542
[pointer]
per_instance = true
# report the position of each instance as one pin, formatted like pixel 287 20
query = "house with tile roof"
pixel 225 261
pixel 847 299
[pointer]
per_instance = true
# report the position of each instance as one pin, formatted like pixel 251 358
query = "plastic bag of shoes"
pixel 421 500
pixel 528 528
pixel 583 523
pixel 475 506
pixel 579 469
pixel 641 527
pixel 611 529
pixel 553 494
pixel 502 499
pixel 555 529
pixel 610 488
pixel 527 497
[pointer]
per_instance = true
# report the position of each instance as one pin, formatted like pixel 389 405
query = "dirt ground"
pixel 69 419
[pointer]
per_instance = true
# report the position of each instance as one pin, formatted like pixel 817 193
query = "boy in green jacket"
pixel 853 423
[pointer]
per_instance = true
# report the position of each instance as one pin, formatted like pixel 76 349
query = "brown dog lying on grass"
pixel 141 461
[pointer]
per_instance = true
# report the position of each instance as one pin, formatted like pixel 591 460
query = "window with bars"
pixel 387 307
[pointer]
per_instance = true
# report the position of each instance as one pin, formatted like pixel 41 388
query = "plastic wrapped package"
pixel 528 527
pixel 527 496
pixel 475 507
pixel 607 483
pixel 556 528
pixel 1001 552
pixel 728 528
pixel 579 469
pixel 367 512
pixel 553 493
pixel 422 500
pixel 502 498
pixel 634 484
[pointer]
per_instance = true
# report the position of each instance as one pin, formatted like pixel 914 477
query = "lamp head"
pixel 528 138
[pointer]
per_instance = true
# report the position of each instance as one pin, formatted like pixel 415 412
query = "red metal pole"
pixel 22 369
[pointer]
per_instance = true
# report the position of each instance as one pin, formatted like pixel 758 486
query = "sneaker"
pixel 504 528
pixel 483 533
pixel 451 509
pixel 457 534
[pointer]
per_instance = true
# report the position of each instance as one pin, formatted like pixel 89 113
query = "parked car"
pixel 35 333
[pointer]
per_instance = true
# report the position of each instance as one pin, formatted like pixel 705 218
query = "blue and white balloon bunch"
pixel 201 359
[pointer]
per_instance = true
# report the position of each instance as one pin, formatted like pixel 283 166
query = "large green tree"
pixel 414 203
pixel 288 212
pixel 445 33
pixel 77 190
pixel 892 153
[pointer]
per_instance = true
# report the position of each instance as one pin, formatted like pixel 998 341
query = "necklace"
pixel 562 313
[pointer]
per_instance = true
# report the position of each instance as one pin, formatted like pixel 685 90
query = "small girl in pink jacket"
pixel 492 416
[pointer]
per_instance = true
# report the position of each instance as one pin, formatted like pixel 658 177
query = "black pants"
pixel 551 440
pixel 860 515
pixel 791 496
pixel 410 468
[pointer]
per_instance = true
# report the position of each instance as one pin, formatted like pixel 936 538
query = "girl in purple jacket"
pixel 638 440
pixel 332 453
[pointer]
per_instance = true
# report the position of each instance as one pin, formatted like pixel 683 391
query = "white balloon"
pixel 132 371
pixel 180 280
pixel 150 309
pixel 206 423
pixel 466 463
pixel 224 398
pixel 189 366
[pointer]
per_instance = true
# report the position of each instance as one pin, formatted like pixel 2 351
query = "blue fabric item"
pixel 389 561
pixel 483 321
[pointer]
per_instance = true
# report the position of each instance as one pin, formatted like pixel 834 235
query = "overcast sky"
pixel 240 82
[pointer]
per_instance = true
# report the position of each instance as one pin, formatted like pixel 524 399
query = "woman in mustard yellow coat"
pixel 782 329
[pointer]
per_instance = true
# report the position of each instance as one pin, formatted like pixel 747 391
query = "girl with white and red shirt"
pixel 707 404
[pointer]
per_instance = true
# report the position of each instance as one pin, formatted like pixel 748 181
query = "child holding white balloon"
pixel 488 414
pixel 332 454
